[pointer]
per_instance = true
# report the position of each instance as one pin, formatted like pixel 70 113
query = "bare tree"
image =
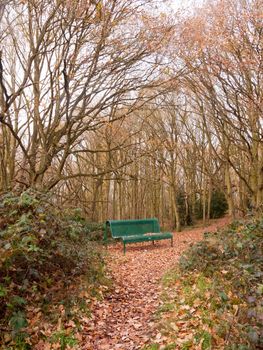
pixel 70 68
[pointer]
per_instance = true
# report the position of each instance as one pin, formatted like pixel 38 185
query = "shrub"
pixel 41 247
pixel 218 205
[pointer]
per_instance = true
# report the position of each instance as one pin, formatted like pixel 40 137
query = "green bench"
pixel 133 231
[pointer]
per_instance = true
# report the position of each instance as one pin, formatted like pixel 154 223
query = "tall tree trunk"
pixel 229 193
pixel 209 198
pixel 176 211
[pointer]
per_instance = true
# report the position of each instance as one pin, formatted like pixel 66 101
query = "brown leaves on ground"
pixel 124 319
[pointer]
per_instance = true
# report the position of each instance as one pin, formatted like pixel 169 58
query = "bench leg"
pixel 172 242
pixel 153 242
pixel 124 248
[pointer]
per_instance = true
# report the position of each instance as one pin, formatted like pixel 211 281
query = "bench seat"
pixel 145 237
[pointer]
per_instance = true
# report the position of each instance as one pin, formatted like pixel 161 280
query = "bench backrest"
pixel 120 228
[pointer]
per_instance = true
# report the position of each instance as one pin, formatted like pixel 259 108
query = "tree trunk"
pixel 229 193
pixel 176 211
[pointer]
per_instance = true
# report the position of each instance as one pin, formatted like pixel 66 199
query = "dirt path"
pixel 124 320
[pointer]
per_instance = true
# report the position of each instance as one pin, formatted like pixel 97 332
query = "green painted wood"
pixel 133 231
pixel 145 238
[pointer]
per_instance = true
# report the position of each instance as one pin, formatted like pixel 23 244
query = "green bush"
pixel 215 294
pixel 232 260
pixel 41 246
pixel 218 205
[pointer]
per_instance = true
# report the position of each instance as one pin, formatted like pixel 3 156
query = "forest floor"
pixel 125 318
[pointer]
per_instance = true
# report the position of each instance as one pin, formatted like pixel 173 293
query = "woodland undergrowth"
pixel 50 271
pixel 214 298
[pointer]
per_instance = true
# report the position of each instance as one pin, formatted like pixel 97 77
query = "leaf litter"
pixel 125 318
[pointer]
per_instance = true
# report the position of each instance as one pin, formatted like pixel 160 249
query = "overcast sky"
pixel 176 4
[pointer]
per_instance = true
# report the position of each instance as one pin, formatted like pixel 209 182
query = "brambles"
pixel 215 296
pixel 44 251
